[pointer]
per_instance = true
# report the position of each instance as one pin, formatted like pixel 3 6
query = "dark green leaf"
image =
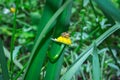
pixel 3 63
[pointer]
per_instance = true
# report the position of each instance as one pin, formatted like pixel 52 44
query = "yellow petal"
pixel 64 40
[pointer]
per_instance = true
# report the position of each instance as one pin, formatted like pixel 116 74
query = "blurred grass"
pixel 86 53
pixel 50 60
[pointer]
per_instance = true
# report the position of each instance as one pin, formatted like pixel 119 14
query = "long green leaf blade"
pixel 96 64
pixel 54 65
pixel 47 27
pixel 108 7
pixel 42 39
pixel 3 63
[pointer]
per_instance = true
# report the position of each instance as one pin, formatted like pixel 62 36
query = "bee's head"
pixel 65 34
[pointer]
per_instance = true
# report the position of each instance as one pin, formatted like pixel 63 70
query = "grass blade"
pixel 39 51
pixel 37 62
pixel 53 69
pixel 47 27
pixel 96 64
pixel 108 7
pixel 102 64
pixel 3 63
pixel 54 66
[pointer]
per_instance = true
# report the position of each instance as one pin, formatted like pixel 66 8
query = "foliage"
pixel 30 29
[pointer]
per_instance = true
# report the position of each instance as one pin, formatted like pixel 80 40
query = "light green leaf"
pixel 96 64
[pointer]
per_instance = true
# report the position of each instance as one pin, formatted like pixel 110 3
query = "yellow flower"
pixel 12 9
pixel 64 39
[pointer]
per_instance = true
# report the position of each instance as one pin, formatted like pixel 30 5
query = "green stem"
pixel 13 42
pixel 102 65
pixel 20 72
pixel 93 8
pixel 115 59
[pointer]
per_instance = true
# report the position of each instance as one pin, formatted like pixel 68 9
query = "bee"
pixel 65 34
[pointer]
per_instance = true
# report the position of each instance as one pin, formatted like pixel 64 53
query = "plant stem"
pixel 13 41
pixel 115 59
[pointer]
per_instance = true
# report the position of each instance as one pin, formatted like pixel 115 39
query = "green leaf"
pixel 42 41
pixel 96 64
pixel 109 9
pixel 16 51
pixel 48 26
pixel 53 69
pixel 36 63
pixel 3 63
pixel 55 53
pixel 1 77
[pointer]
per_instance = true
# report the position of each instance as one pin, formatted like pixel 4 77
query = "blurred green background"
pixel 28 52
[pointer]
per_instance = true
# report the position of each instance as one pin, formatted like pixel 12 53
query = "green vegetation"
pixel 31 32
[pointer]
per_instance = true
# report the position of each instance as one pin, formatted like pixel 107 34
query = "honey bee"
pixel 65 34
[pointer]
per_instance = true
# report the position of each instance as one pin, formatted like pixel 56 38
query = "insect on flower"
pixel 64 38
